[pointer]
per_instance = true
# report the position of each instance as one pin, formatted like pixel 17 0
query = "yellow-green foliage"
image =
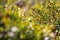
pixel 34 23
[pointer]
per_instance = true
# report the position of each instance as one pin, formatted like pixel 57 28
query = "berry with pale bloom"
pixel 11 34
pixel 46 38
pixel 14 29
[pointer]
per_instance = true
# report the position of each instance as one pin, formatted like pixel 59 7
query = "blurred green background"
pixel 29 19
